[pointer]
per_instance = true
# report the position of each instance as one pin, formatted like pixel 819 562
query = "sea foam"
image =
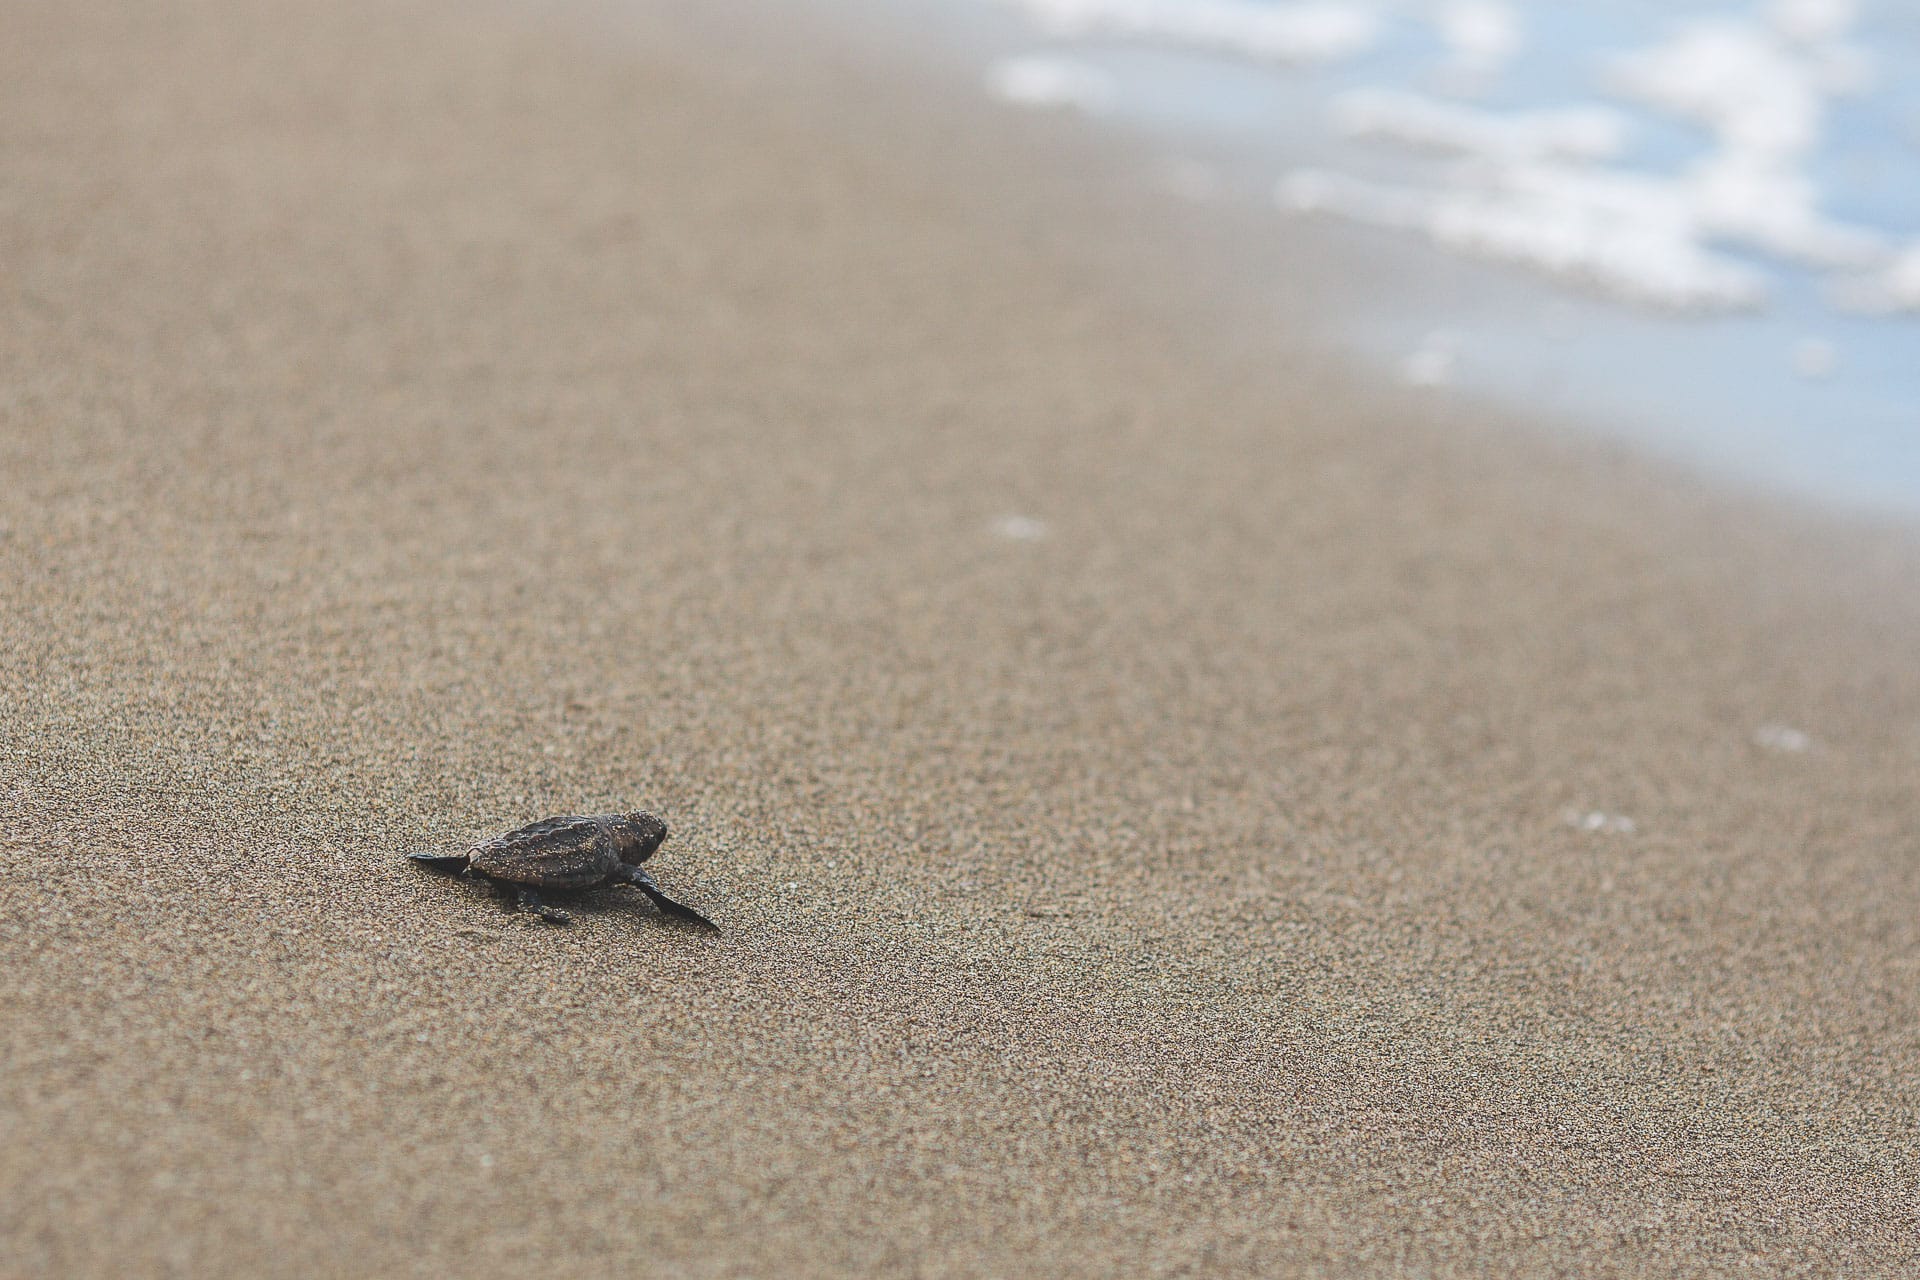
pixel 1579 132
pixel 1544 187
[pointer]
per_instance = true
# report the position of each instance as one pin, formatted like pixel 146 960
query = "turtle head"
pixel 639 834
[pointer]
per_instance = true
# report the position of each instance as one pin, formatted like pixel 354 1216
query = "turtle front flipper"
pixel 451 865
pixel 639 878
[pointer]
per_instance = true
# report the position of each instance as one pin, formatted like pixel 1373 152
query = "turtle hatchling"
pixel 566 856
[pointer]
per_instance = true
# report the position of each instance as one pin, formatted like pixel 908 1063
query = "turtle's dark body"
pixel 569 855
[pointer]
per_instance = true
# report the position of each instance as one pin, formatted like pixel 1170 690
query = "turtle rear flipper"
pixel 646 884
pixel 450 865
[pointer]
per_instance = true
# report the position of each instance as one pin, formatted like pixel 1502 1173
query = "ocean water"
pixel 1695 225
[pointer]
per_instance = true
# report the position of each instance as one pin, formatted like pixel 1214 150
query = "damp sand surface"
pixel 1175 806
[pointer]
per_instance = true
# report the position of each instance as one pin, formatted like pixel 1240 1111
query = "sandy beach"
pixel 1176 806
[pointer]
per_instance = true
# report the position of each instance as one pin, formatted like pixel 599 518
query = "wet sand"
pixel 420 419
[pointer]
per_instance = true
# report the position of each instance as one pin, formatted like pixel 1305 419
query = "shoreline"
pixel 1130 754
pixel 1651 379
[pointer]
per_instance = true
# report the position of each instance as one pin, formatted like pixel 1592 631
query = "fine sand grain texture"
pixel 1146 780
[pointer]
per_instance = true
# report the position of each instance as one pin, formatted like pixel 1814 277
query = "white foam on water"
pixel 1580 132
pixel 1301 32
pixel 1763 95
pixel 1538 194
pixel 1547 187
pixel 1050 82
pixel 1629 236
pixel 1754 90
pixel 1772 205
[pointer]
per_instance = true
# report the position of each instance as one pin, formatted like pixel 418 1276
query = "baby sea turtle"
pixel 567 856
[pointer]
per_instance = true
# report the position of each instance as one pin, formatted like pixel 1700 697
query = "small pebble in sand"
pixel 1595 820
pixel 1780 737
pixel 1020 528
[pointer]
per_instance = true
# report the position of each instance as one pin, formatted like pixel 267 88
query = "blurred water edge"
pixel 1695 225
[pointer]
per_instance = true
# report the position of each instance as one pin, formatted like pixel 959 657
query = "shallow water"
pixel 1697 226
